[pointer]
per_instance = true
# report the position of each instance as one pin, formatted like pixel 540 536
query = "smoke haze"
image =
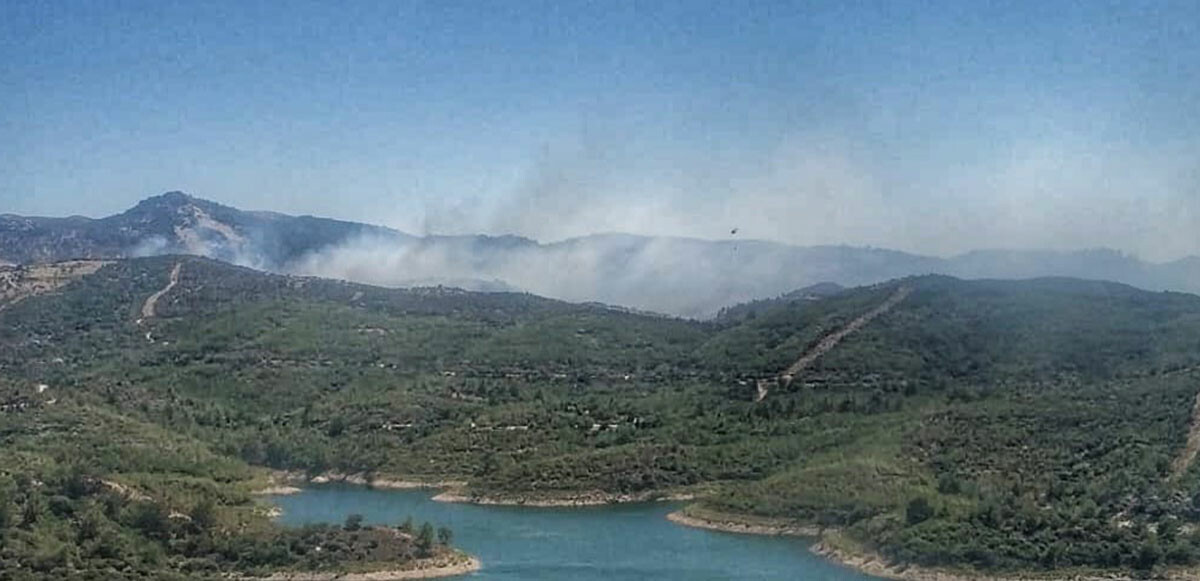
pixel 929 128
pixel 1055 195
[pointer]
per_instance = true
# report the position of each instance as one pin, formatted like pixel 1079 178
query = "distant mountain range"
pixel 677 276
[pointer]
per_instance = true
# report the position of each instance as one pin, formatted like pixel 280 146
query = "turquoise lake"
pixel 611 543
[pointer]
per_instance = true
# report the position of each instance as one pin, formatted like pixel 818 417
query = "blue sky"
pixel 925 126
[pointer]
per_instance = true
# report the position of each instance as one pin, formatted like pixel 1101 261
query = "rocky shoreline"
pixel 733 524
pixel 860 560
pixel 876 565
pixel 277 490
pixel 284 483
pixel 455 491
pixel 865 561
pixel 435 570
pixel 580 500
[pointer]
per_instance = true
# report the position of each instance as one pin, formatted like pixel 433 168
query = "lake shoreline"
pixel 827 543
pixel 565 501
pixel 732 523
pixel 463 565
pixel 873 564
pixel 868 562
pixel 283 483
pixel 825 539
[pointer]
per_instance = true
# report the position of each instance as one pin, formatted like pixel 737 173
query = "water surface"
pixel 611 543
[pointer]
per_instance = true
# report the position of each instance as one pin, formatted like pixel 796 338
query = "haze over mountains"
pixel 677 276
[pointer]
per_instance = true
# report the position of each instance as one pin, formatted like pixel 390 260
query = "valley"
pixel 994 427
pixel 599 291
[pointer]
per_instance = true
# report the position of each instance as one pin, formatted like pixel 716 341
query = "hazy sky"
pixel 926 126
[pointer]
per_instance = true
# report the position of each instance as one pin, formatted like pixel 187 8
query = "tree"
pixel 5 510
pixel 91 524
pixel 1148 555
pixel 919 510
pixel 489 465
pixel 353 522
pixel 337 426
pixel 60 505
pixel 425 540
pixel 1168 530
pixel 151 518
pixel 445 536
pixel 948 484
pixel 32 510
pixel 204 515
pixel 407 526
pixel 79 482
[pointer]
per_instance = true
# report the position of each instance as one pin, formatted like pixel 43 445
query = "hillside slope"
pixel 678 276
pixel 1005 426
pixel 175 223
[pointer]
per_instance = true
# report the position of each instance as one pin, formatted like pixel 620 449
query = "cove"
pixel 610 543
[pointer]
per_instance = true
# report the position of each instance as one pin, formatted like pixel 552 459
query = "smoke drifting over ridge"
pixel 1043 202
pixel 931 128
pixel 685 277
pixel 710 229
pixel 1058 194
pixel 681 276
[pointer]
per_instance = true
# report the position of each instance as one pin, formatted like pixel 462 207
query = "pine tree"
pixel 425 540
pixel 445 536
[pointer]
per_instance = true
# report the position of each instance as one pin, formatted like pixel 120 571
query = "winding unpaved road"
pixel 831 340
pixel 150 308
pixel 1182 462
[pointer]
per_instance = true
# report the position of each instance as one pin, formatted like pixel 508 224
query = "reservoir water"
pixel 611 543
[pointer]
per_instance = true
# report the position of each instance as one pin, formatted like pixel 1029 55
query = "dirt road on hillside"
pixel 150 308
pixel 1188 455
pixel 831 340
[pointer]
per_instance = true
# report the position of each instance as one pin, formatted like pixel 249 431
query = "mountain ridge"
pixel 680 276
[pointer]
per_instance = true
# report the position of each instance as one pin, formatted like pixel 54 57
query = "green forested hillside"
pixel 996 425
